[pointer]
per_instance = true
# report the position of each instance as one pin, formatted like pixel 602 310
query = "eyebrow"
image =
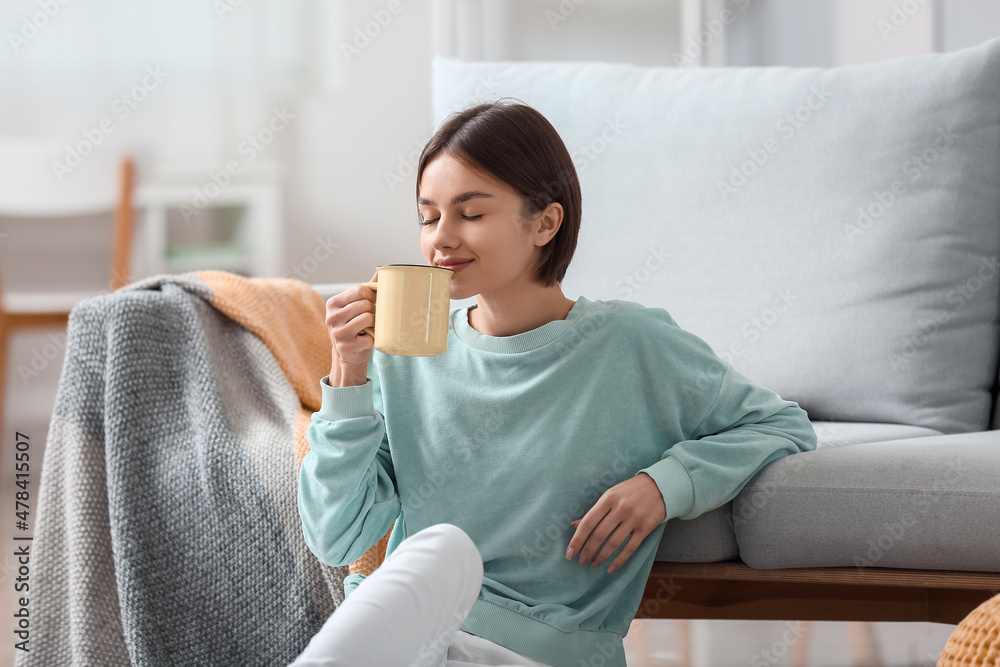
pixel 458 199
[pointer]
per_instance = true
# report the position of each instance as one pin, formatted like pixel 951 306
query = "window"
pixel 77 43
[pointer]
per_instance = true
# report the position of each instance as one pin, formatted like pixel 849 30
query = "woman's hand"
pixel 633 507
pixel 347 314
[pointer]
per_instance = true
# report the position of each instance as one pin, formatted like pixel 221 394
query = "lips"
pixel 455 268
pixel 454 265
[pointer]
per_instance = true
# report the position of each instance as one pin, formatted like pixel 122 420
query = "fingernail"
pixel 570 552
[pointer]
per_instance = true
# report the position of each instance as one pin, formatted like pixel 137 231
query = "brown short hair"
pixel 519 146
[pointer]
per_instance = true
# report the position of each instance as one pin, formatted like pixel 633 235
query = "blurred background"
pixel 279 139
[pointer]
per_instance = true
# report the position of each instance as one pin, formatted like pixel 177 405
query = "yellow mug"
pixel 412 309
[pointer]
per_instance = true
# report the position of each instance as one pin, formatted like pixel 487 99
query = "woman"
pixel 550 429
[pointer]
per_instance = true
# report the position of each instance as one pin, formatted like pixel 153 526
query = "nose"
pixel 445 234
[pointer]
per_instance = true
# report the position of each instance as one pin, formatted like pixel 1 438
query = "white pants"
pixel 408 612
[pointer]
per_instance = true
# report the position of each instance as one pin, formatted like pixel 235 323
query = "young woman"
pixel 528 472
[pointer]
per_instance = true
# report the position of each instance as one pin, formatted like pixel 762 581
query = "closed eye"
pixel 464 217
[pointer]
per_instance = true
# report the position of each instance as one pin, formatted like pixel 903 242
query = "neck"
pixel 513 314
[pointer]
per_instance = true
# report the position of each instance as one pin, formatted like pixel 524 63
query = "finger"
pixel 596 538
pixel 358 323
pixel 338 317
pixel 579 537
pixel 632 543
pixel 615 540
pixel 571 550
pixel 583 542
pixel 575 541
pixel 374 278
pixel 594 543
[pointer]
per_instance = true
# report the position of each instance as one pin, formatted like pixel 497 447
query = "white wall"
pixel 826 33
pixel 781 32
pixel 969 22
pixel 349 140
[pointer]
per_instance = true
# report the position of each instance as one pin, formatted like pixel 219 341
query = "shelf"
pixel 240 230
pixel 223 257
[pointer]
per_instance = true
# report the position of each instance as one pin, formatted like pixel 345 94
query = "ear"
pixel 548 222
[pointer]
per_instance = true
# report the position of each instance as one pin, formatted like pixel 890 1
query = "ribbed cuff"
pixel 352 581
pixel 675 486
pixel 346 402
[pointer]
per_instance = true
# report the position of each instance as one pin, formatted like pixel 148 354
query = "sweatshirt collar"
pixel 522 342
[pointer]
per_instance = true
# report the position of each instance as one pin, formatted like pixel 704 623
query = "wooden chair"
pixel 29 188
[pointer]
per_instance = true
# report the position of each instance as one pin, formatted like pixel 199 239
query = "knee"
pixel 453 540
pixel 452 537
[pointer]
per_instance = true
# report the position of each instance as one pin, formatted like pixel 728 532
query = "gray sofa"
pixel 835 235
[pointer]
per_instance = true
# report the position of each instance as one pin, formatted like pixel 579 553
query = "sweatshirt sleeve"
pixel 347 494
pixel 745 427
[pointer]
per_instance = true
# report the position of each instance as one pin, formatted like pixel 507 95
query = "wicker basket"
pixel 975 641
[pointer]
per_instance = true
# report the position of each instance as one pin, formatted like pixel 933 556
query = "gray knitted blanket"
pixel 167 528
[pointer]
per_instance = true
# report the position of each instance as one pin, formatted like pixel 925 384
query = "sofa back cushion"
pixel 832 233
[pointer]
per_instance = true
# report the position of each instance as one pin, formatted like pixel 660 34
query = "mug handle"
pixel 371 330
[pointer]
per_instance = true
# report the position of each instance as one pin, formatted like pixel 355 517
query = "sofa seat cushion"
pixel 923 503
pixel 711 537
pixel 705 539
pixel 837 434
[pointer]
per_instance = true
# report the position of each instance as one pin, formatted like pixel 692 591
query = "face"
pixel 467 215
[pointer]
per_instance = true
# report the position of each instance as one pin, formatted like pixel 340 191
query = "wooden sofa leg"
pixel 641 642
pixel 864 644
pixel 800 651
pixel 682 635
pixel 860 635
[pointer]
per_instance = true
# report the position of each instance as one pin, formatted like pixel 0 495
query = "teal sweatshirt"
pixel 513 437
